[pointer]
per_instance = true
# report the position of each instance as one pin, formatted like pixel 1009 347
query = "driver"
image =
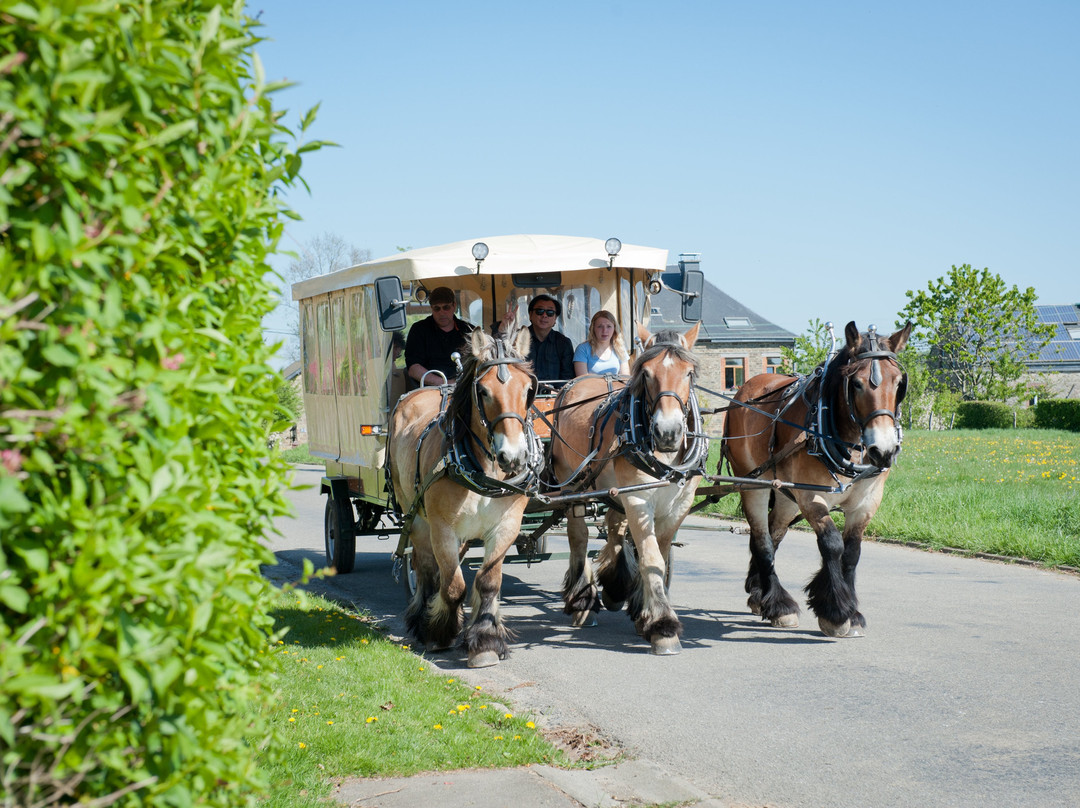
pixel 433 339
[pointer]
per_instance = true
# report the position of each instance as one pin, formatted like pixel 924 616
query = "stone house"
pixel 734 343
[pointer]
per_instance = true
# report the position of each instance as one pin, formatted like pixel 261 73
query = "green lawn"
pixel 349 702
pixel 1012 492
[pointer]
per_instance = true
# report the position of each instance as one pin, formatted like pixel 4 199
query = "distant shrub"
pixel 1058 413
pixel 139 156
pixel 984 415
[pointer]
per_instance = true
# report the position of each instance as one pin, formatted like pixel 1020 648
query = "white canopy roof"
pixel 507 254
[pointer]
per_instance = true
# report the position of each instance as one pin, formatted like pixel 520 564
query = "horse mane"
pixel 665 343
pixel 482 348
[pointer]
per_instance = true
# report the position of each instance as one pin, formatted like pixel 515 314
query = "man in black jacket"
pixel 433 339
pixel 552 353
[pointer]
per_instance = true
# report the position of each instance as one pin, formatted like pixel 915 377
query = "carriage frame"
pixel 351 380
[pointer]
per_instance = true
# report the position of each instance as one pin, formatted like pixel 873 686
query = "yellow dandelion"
pixel 498 737
pixel 295 710
pixel 372 719
pixel 437 726
pixel 530 725
pixel 302 745
pixel 483 706
pixel 478 688
pixel 318 667
pixel 291 720
pixel 453 712
pixel 364 641
pixel 329 723
pixel 517 737
pixel 508 715
pixel 449 681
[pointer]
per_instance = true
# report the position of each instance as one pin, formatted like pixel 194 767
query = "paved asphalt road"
pixel 965 691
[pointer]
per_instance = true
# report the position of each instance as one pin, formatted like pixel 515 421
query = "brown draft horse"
pixel 836 429
pixel 463 469
pixel 610 434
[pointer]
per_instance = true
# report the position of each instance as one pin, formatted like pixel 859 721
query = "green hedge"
pixel 991 415
pixel 1058 413
pixel 140 158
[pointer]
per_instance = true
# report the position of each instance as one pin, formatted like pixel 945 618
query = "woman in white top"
pixel 604 351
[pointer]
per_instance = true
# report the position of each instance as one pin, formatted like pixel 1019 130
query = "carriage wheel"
pixel 339 530
pixel 408 576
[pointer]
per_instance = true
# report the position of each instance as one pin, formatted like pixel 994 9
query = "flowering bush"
pixel 139 156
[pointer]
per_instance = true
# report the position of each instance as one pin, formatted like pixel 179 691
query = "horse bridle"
pixel 639 443
pixel 875 354
pixel 503 375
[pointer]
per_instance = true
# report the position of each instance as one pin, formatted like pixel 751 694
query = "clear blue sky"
pixel 823 157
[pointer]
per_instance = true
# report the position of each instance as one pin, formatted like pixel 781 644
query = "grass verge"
pixel 352 703
pixel 1012 492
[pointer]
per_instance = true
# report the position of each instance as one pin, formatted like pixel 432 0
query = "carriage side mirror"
pixel 390 302
pixel 693 285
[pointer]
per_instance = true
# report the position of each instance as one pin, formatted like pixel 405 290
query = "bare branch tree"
pixel 323 254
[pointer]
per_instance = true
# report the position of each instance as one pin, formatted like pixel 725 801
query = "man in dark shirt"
pixel 433 339
pixel 552 353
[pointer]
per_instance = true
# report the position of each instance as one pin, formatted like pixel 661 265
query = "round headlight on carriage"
pixel 612 245
pixel 420 294
pixel 479 251
pixel 655 287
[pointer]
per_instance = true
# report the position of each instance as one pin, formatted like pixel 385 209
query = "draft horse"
pixel 835 433
pixel 640 441
pixel 462 466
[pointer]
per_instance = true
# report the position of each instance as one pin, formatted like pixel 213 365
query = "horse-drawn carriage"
pixel 500 457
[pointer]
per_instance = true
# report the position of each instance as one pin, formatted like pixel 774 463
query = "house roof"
pixel 291 371
pixel 724 320
pixel 1062 354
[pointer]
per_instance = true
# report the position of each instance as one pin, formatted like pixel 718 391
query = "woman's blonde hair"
pixel 617 343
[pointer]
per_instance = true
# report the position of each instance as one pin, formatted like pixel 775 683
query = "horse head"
pixel 502 390
pixel 663 378
pixel 873 385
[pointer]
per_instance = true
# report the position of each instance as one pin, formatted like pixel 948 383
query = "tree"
pixel 980 332
pixel 811 348
pixel 143 167
pixel 318 256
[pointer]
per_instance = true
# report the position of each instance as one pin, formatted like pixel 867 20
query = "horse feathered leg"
pixel 427 576
pixel 829 594
pixel 446 611
pixel 656 621
pixel 767 596
pixel 615 571
pixel 486 635
pixel 580 598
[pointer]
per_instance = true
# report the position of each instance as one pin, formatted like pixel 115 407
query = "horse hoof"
pixel 484 659
pixel 785 621
pixel 665 646
pixel 854 631
pixel 755 606
pixel 830 629
pixel 583 619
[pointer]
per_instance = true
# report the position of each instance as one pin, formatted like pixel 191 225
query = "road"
pixel 965 691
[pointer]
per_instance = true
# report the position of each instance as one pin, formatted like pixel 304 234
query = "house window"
pixel 737 322
pixel 734 371
pixel 774 364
